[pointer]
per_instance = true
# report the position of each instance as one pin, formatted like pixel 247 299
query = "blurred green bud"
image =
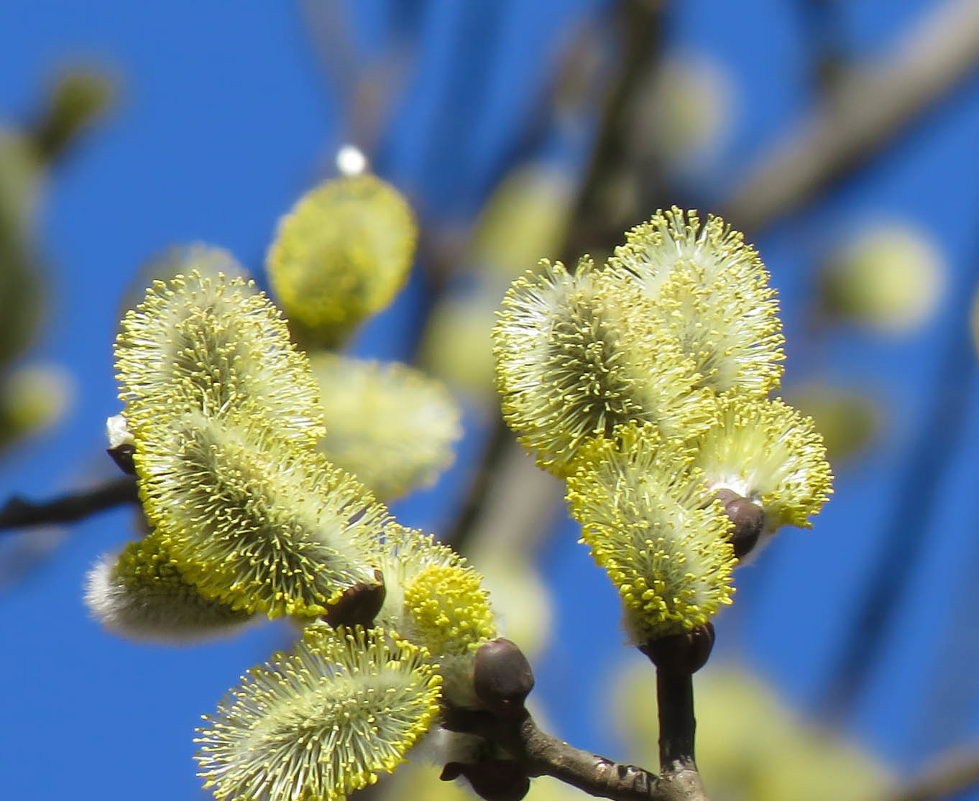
pixel 521 598
pixel 389 424
pixel 77 99
pixel 686 110
pixel 524 220
pixel 848 419
pixel 20 178
pixel 341 255
pixel 889 278
pixel 20 183
pixel 457 346
pixel 33 398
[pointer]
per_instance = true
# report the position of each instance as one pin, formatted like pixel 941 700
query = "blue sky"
pixel 225 118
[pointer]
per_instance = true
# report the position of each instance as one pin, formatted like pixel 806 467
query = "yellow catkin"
pixel 322 721
pixel 771 454
pixel 390 425
pixel 341 255
pixel 254 520
pixel 650 523
pixel 710 288
pixel 216 347
pixel 578 354
pixel 143 595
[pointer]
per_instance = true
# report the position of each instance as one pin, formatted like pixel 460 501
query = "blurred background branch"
pixel 948 777
pixel 865 110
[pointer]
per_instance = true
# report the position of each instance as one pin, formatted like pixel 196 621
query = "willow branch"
pixel 502 679
pixel 948 778
pixel 593 225
pixel 20 513
pixel 674 694
pixel 542 754
pixel 868 108
pixel 589 228
pixel 677 657
pixel 677 727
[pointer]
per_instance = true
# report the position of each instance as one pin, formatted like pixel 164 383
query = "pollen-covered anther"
pixel 401 554
pixel 449 609
pixel 321 722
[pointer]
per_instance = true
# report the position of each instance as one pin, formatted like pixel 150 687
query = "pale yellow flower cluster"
pixel 646 384
pixel 247 516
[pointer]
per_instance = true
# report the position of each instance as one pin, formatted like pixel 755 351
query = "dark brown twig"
pixel 677 727
pixel 69 508
pixel 674 694
pixel 494 450
pixel 677 657
pixel 502 679
pixel 543 754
